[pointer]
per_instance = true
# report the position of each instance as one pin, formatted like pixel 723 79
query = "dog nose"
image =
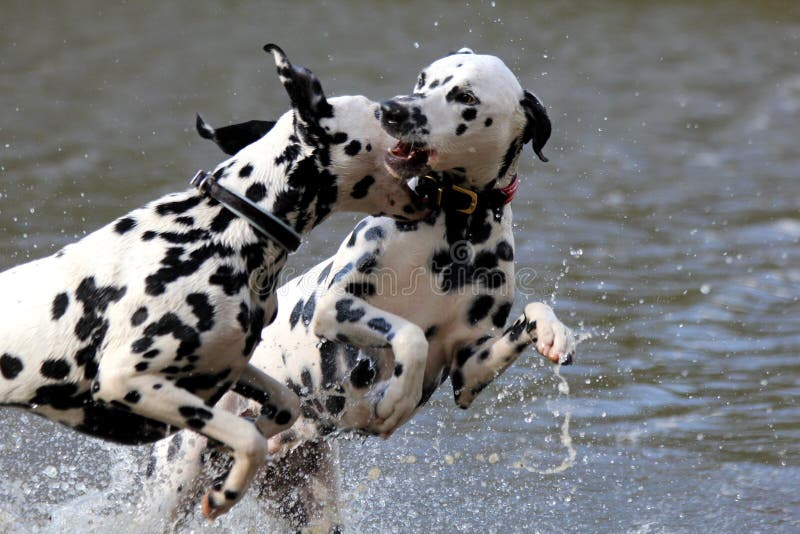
pixel 392 113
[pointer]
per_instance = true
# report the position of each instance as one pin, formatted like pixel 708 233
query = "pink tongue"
pixel 401 150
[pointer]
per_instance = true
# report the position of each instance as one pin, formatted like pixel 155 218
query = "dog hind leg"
pixel 304 486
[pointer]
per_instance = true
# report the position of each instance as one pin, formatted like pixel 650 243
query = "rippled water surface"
pixel 665 229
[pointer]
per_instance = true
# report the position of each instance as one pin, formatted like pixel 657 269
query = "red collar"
pixel 510 190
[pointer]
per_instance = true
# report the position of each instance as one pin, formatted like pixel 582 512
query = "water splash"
pixel 575 253
pixel 564 271
pixel 565 437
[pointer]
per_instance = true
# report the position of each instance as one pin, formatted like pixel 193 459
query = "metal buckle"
pixel 199 180
pixel 473 198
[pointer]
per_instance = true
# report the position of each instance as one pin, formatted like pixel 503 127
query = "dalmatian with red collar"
pixel 137 330
pixel 365 337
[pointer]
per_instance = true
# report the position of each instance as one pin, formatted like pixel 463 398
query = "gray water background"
pixel 665 226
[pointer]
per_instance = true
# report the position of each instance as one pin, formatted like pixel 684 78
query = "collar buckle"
pixel 440 192
pixel 473 199
pixel 200 181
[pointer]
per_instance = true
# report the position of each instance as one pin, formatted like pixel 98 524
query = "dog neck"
pixel 286 179
pixel 263 222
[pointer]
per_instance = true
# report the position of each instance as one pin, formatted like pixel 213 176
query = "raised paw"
pixel 397 404
pixel 554 340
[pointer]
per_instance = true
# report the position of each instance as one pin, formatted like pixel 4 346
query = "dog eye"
pixel 466 98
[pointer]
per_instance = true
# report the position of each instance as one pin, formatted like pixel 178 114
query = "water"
pixel 666 227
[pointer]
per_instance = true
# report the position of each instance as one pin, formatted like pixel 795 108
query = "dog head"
pixel 467 112
pixel 331 152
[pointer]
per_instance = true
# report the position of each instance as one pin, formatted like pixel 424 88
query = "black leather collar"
pixel 262 221
pixel 454 198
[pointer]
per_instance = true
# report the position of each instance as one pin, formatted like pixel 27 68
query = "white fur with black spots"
pixel 136 330
pixel 365 337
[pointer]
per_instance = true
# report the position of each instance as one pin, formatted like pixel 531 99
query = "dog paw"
pixel 216 502
pixel 397 401
pixel 554 340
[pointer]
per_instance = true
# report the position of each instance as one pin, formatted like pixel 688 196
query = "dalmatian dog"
pixel 365 337
pixel 136 331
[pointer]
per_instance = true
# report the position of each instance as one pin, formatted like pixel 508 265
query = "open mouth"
pixel 407 159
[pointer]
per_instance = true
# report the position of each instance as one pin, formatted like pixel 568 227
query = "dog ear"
pixel 463 50
pixel 231 139
pixel 537 128
pixel 304 88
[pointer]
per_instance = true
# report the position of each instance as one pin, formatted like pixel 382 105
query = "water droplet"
pixel 576 252
pixel 416 44
pixel 705 289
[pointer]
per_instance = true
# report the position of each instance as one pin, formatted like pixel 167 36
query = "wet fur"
pixel 138 329
pixel 346 341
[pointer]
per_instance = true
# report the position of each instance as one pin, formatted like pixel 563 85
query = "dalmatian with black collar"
pixel 365 337
pixel 137 330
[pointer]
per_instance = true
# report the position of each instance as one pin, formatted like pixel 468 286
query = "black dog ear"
pixel 231 139
pixel 304 88
pixel 538 127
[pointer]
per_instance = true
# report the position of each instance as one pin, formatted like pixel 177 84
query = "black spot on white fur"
pixel 505 251
pixel 55 369
pixel 202 309
pixel 373 234
pixel 352 148
pixel 124 225
pixel 379 324
pixel 500 316
pixel 361 189
pixel 308 310
pixel 139 316
pixel 10 366
pixel 479 309
pixel 346 312
pixel 59 307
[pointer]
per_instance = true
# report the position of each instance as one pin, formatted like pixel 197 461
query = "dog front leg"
pixel 158 399
pixel 477 364
pixel 350 319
